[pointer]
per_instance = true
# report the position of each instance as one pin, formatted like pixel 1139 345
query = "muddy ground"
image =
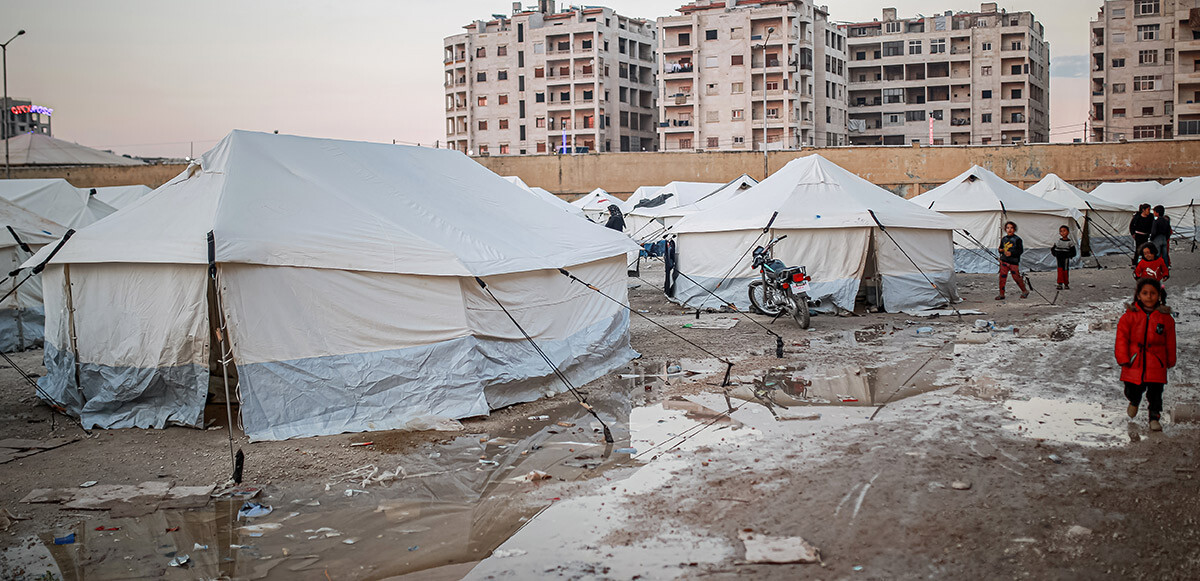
pixel 881 416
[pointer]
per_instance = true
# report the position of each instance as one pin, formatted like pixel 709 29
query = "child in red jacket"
pixel 1145 348
pixel 1151 265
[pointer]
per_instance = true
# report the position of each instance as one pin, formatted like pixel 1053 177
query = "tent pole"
pixel 226 352
pixel 71 324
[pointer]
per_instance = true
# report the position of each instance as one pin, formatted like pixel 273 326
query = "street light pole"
pixel 7 107
pixel 766 162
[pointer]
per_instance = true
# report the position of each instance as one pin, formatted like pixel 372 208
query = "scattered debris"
pixel 261 528
pixel 123 499
pixel 355 444
pixel 924 330
pixel 506 553
pixel 199 547
pixel 719 323
pixel 565 424
pixel 88 484
pixel 1054 458
pixel 630 451
pixel 960 485
pixel 1078 531
pixel 536 475
pixel 180 561
pixel 67 540
pixel 13 448
pixel 764 549
pixel 253 510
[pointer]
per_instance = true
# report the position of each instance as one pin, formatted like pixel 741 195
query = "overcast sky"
pixel 155 77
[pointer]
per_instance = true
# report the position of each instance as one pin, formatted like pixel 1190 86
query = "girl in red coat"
pixel 1151 265
pixel 1146 348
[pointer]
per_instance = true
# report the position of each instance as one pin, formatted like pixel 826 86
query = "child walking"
pixel 1063 251
pixel 1011 249
pixel 1145 348
pixel 1150 264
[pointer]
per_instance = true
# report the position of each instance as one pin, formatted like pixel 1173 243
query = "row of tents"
pixel 361 286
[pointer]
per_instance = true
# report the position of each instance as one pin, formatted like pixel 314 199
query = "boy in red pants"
pixel 1063 251
pixel 1010 259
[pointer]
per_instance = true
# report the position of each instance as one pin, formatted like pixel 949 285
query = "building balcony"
pixel 685 48
pixel 1186 108
pixel 1188 77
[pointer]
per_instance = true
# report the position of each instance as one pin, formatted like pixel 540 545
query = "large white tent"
pixel 1127 193
pixel 41 149
pixel 829 216
pixel 668 214
pixel 347 279
pixel 53 201
pixel 595 204
pixel 545 195
pixel 642 193
pixel 21 314
pixel 980 202
pixel 642 215
pixel 119 196
pixel 1106 224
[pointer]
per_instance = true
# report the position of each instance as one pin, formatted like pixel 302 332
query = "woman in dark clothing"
pixel 1139 227
pixel 615 220
pixel 1160 233
pixel 1145 348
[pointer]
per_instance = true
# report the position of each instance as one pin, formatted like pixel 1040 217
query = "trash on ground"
pixel 536 475
pixel 261 528
pixel 199 547
pixel 924 330
pixel 180 561
pixel 67 540
pixel 942 312
pixel 1054 458
pixel 88 484
pixel 538 418
pixel 353 444
pixel 960 485
pixel 506 553
pixel 123 499
pixel 630 451
pixel 765 549
pixel 253 510
pixel 1078 531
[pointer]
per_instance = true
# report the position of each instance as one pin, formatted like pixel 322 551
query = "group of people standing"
pixel 1145 347
pixel 1145 342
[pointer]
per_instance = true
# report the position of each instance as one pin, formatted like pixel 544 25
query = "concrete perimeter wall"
pixel 905 170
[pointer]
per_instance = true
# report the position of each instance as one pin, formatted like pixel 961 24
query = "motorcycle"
pixel 780 288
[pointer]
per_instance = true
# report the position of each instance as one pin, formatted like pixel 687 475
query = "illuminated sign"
pixel 19 109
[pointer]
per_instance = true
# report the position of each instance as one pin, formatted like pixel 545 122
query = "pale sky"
pixel 168 77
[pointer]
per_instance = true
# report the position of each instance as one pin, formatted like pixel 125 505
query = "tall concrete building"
pixel 981 77
pixel 738 74
pixel 1146 70
pixel 544 81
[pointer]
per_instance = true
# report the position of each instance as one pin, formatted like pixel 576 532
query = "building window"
pixel 710 89
pixel 504 124
pixel 1016 69
pixel 773 113
pixel 714 142
pixel 987 94
pixel 914 47
pixel 539 97
pixel 1147 57
pixel 586 44
pixel 503 149
pixel 685 39
pixel 893 96
pixel 985 118
pixel 481 76
pixel 539 48
pixel 539 72
pixel 736 88
pixel 685 144
pixel 1118 63
pixel 710 35
pixel 501 75
pixel 483 125
pixel 739 140
pixel 1146 83
pixel 737 114
pixel 483 150
pixel 502 50
pixel 772 85
pixel 541 147
pixel 1016 94
pixel 481 52
pixel 540 122
pixel 893 27
pixel 1169 54
pixel 1118 38
pixel 1118 88
pixel 502 100
pixel 1147 32
pixel 1147 132
pixel 1118 13
pixel 1147 111
pixel 1118 112
pixel 1145 7
pixel 937 45
pixel 985 71
pixel 481 101
pixel 1168 108
pixel 737 59
pixel 911 116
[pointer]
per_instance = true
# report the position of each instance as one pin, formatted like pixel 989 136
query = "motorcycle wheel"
pixel 800 310
pixel 759 301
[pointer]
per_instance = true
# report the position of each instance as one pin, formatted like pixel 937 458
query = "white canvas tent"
pixel 980 202
pixel 595 204
pixel 347 277
pixel 119 196
pixel 545 195
pixel 642 220
pixel 56 202
pixel 41 149
pixel 667 214
pixel 1127 193
pixel 1105 225
pixel 21 314
pixel 826 213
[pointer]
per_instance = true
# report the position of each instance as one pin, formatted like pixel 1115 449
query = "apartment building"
pixel 957 78
pixel 748 74
pixel 1146 70
pixel 546 81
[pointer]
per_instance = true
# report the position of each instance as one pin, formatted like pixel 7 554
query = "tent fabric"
pixel 120 196
pixel 642 193
pixel 1127 193
pixel 543 194
pixel 21 314
pixel 829 217
pixel 55 200
pixel 980 202
pixel 1106 224
pixel 644 216
pixel 1181 199
pixel 347 280
pixel 41 149
pixel 595 204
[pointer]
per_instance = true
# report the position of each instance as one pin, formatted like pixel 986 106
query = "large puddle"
pixel 1087 424
pixel 795 385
